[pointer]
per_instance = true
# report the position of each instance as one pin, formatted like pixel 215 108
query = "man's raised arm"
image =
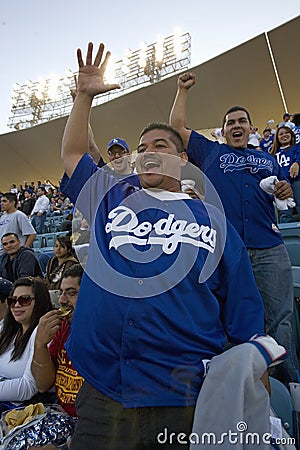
pixel 178 111
pixel 93 148
pixel 90 83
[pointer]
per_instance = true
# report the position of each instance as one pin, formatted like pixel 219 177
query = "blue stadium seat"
pixel 291 237
pixel 49 240
pixel 38 241
pixel 281 403
pixel 296 280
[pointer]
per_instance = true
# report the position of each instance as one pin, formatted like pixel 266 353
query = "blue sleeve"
pixel 89 185
pixel 297 153
pixel 83 171
pixel 233 283
pixel 201 151
pixel 101 162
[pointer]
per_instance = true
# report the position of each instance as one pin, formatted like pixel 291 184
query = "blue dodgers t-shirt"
pixel 286 157
pixel 163 285
pixel 236 175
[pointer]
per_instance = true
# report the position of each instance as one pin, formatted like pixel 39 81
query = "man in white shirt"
pixel 38 214
pixel 15 221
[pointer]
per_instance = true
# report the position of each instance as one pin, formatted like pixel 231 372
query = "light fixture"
pixel 48 98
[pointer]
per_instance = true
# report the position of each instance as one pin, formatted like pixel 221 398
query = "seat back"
pixel 38 241
pixel 281 403
pixel 50 240
pixel 296 280
pixel 291 236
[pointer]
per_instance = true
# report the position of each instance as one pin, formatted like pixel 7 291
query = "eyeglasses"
pixel 121 151
pixel 23 300
pixel 69 294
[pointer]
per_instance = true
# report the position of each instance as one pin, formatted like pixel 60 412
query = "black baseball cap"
pixel 5 288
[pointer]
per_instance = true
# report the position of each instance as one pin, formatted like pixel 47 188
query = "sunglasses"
pixel 23 300
pixel 120 151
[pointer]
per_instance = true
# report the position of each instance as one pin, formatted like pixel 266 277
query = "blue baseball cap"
pixel 5 288
pixel 118 141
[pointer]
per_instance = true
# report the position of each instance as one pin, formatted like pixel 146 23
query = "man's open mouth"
pixel 150 164
pixel 237 134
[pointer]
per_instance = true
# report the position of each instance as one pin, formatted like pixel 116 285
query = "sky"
pixel 40 37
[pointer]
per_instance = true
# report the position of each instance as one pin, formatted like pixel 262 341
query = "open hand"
pixel 294 170
pixel 91 75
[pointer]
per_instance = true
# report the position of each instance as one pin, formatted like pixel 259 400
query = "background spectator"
pixel 29 301
pixel 18 261
pixel 28 203
pixel 14 221
pixel 64 257
pixel 5 289
pixel 287 155
pixel 296 121
pixel 51 364
pixel 267 140
pixel 40 209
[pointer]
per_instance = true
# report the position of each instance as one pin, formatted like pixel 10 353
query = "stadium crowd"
pixel 134 357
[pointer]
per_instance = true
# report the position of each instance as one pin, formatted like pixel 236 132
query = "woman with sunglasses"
pixel 29 300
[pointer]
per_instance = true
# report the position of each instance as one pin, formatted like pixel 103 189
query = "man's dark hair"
pixel 175 136
pixel 234 109
pixel 42 188
pixel 11 197
pixel 75 271
pixel 296 119
pixel 10 234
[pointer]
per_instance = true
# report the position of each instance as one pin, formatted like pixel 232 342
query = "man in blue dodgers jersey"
pixel 235 172
pixel 163 286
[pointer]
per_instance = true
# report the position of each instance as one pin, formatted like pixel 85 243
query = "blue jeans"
pixel 38 223
pixel 274 279
pixel 286 216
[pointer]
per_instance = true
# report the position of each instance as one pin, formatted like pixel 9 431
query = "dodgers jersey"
pixel 266 144
pixel 286 157
pixel 163 284
pixel 235 175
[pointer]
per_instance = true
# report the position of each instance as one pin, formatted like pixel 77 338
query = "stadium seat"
pixel 281 403
pixel 291 237
pixel 296 280
pixel 38 242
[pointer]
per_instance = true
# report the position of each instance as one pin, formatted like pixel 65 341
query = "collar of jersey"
pixel 166 195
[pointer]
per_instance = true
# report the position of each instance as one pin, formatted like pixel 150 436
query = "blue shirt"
pixel 286 157
pixel 235 175
pixel 164 281
pixel 266 144
pixel 297 133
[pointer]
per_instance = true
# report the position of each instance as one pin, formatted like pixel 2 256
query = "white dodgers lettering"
pixel 167 232
pixel 283 160
pixel 230 162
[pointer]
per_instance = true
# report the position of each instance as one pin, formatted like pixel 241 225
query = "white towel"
pixel 233 403
pixel 268 185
